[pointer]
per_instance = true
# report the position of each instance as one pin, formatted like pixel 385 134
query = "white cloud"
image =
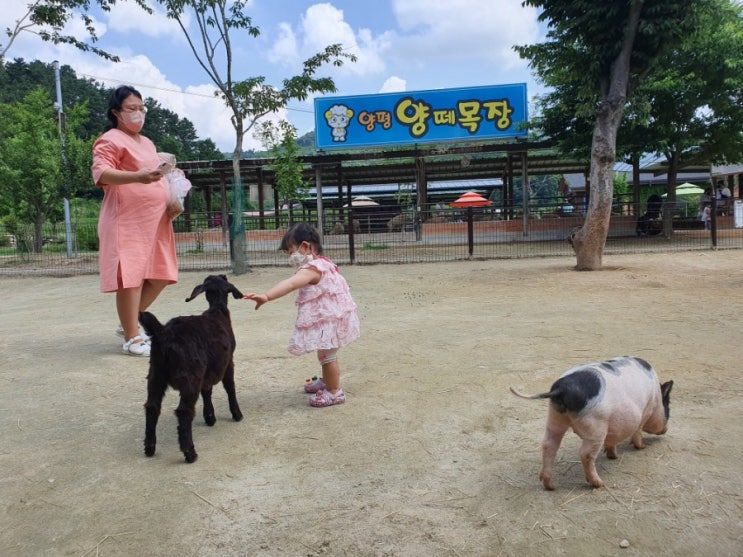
pixel 197 103
pixel 209 115
pixel 394 84
pixel 211 118
pixel 128 17
pixel 323 25
pixel 285 50
pixel 461 29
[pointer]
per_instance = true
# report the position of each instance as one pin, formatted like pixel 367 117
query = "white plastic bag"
pixel 178 185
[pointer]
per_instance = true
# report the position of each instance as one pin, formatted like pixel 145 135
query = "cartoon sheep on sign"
pixel 339 117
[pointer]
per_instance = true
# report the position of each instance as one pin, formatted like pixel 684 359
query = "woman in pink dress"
pixel 326 312
pixel 137 246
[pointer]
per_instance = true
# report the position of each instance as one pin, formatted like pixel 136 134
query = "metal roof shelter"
pixel 419 166
pixel 438 190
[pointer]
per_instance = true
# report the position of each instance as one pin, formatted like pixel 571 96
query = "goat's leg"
pixel 155 393
pixel 209 417
pixel 186 411
pixel 228 382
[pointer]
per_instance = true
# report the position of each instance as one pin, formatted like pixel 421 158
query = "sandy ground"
pixel 430 456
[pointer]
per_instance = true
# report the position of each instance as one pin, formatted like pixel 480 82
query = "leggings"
pixel 327 356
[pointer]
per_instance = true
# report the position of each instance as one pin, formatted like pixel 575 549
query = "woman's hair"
pixel 298 233
pixel 114 103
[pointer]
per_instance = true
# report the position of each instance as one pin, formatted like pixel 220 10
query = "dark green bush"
pixel 87 238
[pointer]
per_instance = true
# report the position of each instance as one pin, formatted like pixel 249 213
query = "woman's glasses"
pixel 133 109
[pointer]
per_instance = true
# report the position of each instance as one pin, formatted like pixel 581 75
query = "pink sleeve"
pixel 105 155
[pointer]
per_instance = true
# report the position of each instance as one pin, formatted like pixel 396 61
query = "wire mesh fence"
pixel 378 236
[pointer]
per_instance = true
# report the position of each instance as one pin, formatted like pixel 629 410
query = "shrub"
pixel 87 238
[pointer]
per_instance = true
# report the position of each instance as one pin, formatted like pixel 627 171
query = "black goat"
pixel 191 354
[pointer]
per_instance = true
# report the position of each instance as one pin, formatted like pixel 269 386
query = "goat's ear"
pixel 235 292
pixel 196 291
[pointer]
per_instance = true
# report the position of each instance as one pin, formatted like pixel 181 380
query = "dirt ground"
pixel 430 456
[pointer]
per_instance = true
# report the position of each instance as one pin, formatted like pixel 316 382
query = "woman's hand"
pixel 115 177
pixel 148 176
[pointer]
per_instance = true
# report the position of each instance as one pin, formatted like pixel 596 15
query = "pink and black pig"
pixel 604 403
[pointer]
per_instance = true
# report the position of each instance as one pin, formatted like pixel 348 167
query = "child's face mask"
pixel 297 259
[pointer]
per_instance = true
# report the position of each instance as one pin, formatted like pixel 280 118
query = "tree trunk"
pixel 636 185
pixel 38 233
pixel 237 231
pixel 670 204
pixel 589 241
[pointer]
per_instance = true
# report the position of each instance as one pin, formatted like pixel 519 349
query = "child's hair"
pixel 298 233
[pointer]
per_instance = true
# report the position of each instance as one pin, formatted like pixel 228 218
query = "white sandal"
pixel 120 332
pixel 136 346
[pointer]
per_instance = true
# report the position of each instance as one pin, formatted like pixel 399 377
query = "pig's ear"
pixel 665 389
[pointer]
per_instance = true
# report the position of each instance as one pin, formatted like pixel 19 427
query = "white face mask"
pixel 297 259
pixel 132 121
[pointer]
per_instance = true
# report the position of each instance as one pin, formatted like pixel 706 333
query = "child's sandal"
pixel 325 398
pixel 313 385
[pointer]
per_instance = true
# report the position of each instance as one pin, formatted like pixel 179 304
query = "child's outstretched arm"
pixel 301 278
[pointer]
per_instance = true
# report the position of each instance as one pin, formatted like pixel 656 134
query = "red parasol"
pixel 471 199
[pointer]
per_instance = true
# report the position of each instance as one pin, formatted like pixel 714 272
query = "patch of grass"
pixel 56 247
pixel 370 245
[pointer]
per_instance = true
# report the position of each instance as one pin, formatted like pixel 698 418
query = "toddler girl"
pixel 326 312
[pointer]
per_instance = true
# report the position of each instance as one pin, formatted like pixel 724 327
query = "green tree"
pixel 693 98
pixel 167 132
pixel 280 138
pixel 77 157
pixel 218 23
pixel 205 150
pixel 31 161
pixel 18 78
pixel 49 18
pixel 595 54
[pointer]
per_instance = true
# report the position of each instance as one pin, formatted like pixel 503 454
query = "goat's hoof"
pixel 237 417
pixel 191 456
pixel 149 450
pixel 210 420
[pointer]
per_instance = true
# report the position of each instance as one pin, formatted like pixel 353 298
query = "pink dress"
pixel 326 314
pixel 136 235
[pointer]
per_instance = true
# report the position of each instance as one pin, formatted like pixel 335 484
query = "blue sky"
pixel 401 45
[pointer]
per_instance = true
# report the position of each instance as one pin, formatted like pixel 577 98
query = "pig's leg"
pixel 589 451
pixel 636 439
pixel 553 434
